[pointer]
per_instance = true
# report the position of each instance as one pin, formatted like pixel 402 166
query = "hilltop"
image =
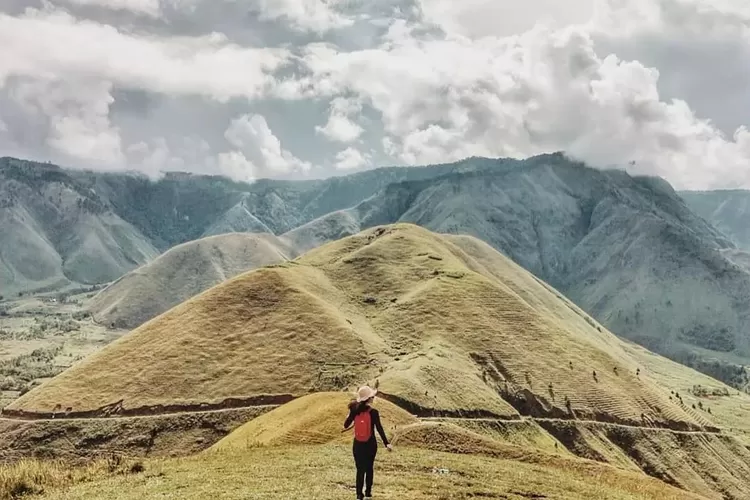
pixel 182 272
pixel 628 250
pixel 455 332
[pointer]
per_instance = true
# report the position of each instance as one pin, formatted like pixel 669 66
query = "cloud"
pixel 351 158
pixel 479 18
pixel 77 116
pixel 147 7
pixel 659 86
pixel 56 45
pixel 340 128
pixel 258 149
pixel 318 16
pixel 446 98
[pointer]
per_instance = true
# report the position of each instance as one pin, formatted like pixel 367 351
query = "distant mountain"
pixel 57 231
pixel 64 227
pixel 727 210
pixel 626 249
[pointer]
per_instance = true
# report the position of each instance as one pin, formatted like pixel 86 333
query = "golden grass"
pixel 34 477
pixel 327 473
pixel 183 272
pixel 398 302
pixel 314 419
pixel 446 323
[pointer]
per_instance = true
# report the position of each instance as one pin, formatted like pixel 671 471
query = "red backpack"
pixel 363 426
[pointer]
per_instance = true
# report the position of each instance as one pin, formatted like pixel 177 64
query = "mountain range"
pixel 628 250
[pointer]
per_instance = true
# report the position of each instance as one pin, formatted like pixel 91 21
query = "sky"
pixel 298 89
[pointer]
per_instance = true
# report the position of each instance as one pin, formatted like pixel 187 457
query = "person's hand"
pixel 390 447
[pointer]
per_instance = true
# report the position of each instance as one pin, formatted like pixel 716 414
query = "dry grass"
pixel 33 477
pixel 313 419
pixel 400 300
pixel 447 324
pixel 183 272
pixel 327 473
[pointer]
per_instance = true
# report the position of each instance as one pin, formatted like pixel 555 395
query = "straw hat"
pixel 365 392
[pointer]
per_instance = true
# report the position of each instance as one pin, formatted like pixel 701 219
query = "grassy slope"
pixel 326 472
pixel 313 419
pixel 400 303
pixel 181 273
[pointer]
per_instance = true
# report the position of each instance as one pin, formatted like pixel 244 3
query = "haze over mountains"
pixel 727 210
pixel 626 249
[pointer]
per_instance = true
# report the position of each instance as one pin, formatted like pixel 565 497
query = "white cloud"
pixel 147 7
pixel 546 90
pixel 477 18
pixel 340 128
pixel 662 83
pixel 260 148
pixel 351 158
pixel 54 44
pixel 77 114
pixel 234 165
pixel 318 16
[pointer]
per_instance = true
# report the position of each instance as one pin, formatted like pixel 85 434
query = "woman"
pixel 365 419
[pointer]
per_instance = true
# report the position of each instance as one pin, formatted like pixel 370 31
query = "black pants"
pixel 364 458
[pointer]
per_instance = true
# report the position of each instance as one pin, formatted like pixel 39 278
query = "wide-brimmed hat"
pixel 366 392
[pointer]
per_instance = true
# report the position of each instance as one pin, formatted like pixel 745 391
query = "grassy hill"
pixel 457 334
pixel 181 273
pixel 441 331
pixel 627 250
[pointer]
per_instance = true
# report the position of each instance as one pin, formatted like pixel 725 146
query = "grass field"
pixel 326 473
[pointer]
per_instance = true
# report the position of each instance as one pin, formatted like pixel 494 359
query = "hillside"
pixel 627 250
pixel 451 329
pixel 728 210
pixel 57 233
pixel 401 301
pixel 68 227
pixel 410 473
pixel 182 272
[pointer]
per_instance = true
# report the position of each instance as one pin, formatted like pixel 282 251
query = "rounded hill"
pixel 181 273
pixel 449 326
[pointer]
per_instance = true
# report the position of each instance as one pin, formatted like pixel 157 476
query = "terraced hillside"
pixel 455 333
pixel 181 273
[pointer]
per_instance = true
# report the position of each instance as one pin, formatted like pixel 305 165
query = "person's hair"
pixel 358 408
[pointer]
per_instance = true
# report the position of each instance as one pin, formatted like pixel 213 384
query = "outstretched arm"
pixel 379 427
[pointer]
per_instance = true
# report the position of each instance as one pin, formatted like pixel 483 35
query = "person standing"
pixel 366 420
